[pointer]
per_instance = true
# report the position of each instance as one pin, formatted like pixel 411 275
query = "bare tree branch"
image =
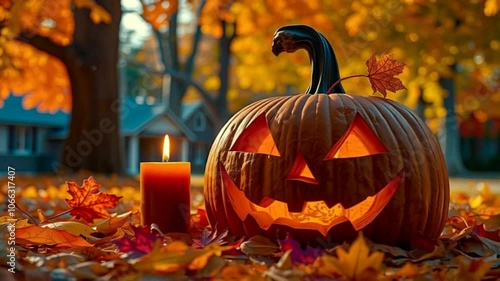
pixel 196 41
pixel 178 75
pixel 44 44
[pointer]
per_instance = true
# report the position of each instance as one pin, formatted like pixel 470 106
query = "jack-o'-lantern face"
pixel 326 166
pixel 327 163
pixel 358 141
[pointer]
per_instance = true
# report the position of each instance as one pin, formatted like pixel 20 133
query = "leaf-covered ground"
pixel 87 229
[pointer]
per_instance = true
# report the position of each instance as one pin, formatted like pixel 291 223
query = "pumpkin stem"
pixel 324 67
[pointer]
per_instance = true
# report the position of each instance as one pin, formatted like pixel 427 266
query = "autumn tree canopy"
pixel 428 36
pixel 439 42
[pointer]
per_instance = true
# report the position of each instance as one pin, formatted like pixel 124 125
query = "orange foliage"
pixel 25 70
pixel 429 36
pixel 41 78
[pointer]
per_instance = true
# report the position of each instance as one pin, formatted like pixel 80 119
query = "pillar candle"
pixel 165 194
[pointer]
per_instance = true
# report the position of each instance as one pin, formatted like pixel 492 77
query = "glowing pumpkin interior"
pixel 358 141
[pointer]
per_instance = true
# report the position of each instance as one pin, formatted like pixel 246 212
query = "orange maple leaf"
pixel 381 73
pixel 88 202
pixel 37 235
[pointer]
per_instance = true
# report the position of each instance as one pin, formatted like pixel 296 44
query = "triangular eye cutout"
pixel 300 171
pixel 256 138
pixel 358 141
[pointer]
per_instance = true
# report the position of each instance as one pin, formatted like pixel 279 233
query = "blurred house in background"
pixel 480 143
pixel 29 140
pixel 144 127
pixel 32 141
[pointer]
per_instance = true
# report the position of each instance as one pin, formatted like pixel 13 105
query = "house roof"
pixel 136 118
pixel 13 113
pixel 189 108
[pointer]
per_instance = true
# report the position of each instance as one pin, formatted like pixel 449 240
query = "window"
pixel 200 122
pixel 23 140
pixel 200 154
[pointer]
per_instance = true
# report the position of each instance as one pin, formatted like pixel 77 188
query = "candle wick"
pixel 165 159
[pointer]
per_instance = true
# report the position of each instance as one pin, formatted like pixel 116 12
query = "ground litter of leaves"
pixel 87 228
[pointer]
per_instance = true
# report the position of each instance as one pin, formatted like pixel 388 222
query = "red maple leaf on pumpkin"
pixel 88 202
pixel 381 73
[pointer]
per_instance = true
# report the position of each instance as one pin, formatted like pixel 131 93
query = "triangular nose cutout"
pixel 300 171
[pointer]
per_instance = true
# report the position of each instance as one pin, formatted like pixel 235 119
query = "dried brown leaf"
pixel 259 246
pixel 36 235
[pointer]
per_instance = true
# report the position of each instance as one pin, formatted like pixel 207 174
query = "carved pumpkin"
pixel 323 166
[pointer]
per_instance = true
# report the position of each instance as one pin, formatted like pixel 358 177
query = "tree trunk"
pixel 449 136
pixel 179 87
pixel 228 34
pixel 421 106
pixel 93 142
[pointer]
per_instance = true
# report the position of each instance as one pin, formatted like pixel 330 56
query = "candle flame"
pixel 166 149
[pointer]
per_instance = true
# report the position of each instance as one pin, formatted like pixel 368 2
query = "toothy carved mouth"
pixel 315 215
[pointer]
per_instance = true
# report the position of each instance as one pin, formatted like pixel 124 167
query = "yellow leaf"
pixel 72 227
pixel 54 193
pixel 110 225
pixel 491 7
pixel 485 192
pixel 212 83
pixel 211 250
pixel 475 201
pixel 355 264
pixel 129 193
pixel 177 256
pixel 29 192
pixel 8 220
pixel 171 259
